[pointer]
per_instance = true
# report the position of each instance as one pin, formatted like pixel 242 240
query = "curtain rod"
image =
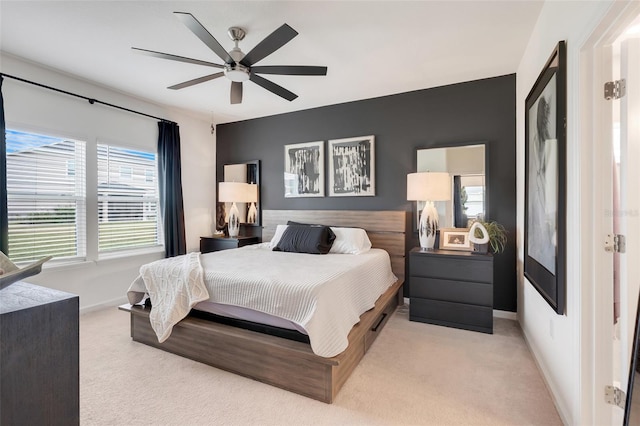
pixel 91 100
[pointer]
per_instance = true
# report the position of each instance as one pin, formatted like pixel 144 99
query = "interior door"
pixel 608 311
pixel 628 216
pixel 626 210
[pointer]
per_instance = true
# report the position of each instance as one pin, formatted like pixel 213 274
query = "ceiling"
pixel 370 48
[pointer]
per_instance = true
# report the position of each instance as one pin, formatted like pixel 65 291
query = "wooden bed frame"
pixel 281 362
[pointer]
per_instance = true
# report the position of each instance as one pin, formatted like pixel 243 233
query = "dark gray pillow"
pixel 306 239
pixel 331 236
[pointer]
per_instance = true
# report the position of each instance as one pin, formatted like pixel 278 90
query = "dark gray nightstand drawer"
pixel 452 291
pixel 480 270
pixel 209 244
pixel 459 315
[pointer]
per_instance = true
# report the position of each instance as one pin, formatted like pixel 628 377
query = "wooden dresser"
pixel 452 288
pixel 39 356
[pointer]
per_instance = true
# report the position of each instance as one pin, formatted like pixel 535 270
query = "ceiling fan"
pixel 239 67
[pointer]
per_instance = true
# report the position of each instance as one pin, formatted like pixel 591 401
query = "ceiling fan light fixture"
pixel 236 72
pixel 238 66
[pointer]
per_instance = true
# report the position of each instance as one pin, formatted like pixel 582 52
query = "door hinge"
pixel 615 396
pixel 615 243
pixel 615 89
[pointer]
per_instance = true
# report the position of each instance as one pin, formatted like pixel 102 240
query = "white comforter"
pixel 324 294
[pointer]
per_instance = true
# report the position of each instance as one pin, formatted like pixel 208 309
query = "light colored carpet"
pixel 414 374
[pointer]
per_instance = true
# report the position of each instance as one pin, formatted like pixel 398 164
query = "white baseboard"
pixel 544 372
pixel 108 304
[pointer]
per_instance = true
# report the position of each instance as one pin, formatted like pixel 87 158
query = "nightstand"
pixel 209 244
pixel 452 288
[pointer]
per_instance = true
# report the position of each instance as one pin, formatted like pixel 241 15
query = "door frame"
pixel 596 326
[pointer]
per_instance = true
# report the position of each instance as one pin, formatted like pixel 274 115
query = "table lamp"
pixel 428 187
pixel 233 192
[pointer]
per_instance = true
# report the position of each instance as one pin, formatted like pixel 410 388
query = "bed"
pixel 278 361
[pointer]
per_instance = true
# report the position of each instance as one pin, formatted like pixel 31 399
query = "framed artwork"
pixel 352 167
pixel 545 181
pixel 455 239
pixel 304 170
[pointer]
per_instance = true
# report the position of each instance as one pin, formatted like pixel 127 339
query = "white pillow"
pixel 277 235
pixel 350 241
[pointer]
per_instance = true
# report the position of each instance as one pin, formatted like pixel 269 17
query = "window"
pixel 473 187
pixel 47 198
pixel 127 202
pixel 46 204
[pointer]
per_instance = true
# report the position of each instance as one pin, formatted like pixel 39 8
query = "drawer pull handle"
pixel 380 321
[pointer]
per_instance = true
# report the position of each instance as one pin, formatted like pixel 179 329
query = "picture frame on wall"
pixel 304 170
pixel 352 167
pixel 545 181
pixel 455 239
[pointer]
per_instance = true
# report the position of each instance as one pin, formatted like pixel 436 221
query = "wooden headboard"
pixel 386 229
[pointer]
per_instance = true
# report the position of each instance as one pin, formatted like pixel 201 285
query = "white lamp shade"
pixel 428 186
pixel 232 192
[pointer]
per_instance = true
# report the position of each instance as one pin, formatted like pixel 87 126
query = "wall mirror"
pixel 248 172
pixel 467 165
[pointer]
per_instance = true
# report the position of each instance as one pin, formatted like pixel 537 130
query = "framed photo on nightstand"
pixel 455 239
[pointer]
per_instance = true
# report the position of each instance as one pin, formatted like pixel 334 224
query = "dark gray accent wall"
pixel 482 110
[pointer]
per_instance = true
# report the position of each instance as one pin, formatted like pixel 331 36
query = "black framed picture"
pixel 545 181
pixel 304 170
pixel 352 167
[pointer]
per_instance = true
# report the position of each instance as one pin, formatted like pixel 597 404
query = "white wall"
pixel 555 339
pixel 27 107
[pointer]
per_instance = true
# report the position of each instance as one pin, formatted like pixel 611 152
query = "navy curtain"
pixel 4 214
pixel 459 218
pixel 170 185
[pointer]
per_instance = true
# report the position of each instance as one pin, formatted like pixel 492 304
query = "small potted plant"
pixel 497 237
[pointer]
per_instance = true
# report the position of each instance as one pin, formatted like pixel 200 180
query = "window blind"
pixel 46 196
pixel 128 201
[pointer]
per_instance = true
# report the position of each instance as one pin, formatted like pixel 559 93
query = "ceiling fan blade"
pixel 201 32
pixel 175 57
pixel 196 81
pixel 270 44
pixel 289 70
pixel 236 92
pixel 272 87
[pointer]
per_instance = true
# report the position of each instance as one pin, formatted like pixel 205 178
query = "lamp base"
pixel 428 226
pixel 252 214
pixel 234 221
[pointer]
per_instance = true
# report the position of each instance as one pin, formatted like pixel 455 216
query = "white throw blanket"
pixel 174 285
